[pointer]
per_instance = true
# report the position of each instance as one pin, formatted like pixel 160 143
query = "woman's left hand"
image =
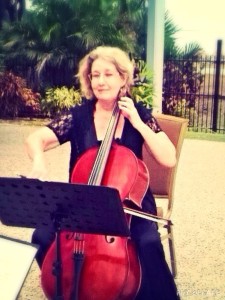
pixel 129 111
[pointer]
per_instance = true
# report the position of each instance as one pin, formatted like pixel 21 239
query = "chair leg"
pixel 172 251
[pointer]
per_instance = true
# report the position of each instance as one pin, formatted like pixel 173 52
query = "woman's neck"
pixel 106 106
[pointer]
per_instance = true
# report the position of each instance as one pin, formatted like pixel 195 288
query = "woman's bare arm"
pixel 35 145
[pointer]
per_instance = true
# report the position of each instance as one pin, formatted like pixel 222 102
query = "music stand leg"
pixel 57 265
pixel 78 262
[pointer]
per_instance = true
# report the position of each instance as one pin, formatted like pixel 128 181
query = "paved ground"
pixel 198 216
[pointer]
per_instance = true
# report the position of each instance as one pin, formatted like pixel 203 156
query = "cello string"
pixel 102 155
pixel 104 152
pixel 97 172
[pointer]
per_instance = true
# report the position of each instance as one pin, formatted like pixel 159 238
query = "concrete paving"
pixel 198 215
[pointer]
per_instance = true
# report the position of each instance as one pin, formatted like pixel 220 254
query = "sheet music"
pixel 16 258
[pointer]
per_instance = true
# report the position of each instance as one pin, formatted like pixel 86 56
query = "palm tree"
pixel 55 34
pixel 11 10
pixel 182 79
pixel 170 46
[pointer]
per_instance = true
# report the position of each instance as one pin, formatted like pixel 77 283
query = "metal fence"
pixel 195 88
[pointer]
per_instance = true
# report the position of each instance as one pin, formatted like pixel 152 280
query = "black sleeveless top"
pixel 77 127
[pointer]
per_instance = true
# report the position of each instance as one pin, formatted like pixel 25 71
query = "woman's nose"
pixel 101 79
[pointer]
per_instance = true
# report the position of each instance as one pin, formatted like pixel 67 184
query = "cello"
pixel 95 266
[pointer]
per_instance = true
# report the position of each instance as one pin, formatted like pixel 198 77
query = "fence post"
pixel 217 86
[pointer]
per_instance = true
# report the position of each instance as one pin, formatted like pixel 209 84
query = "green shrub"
pixel 59 99
pixel 143 88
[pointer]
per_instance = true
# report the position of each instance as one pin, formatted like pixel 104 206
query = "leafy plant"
pixel 181 85
pixel 15 98
pixel 59 99
pixel 143 84
pixel 32 103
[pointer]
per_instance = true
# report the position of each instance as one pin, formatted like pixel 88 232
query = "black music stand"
pixel 74 207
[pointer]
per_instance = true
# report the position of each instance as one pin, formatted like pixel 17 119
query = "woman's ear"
pixel 123 91
pixel 124 78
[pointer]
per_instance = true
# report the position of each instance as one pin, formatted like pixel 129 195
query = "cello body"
pixel 111 268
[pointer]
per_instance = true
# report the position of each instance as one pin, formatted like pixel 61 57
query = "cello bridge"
pixel 78 243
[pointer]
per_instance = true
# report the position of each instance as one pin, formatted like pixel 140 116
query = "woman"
pixel 106 75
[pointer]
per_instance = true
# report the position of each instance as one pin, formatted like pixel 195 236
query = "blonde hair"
pixel 112 54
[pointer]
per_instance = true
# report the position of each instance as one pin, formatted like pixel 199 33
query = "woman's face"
pixel 105 80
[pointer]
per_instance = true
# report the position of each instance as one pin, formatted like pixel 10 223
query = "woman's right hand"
pixel 39 170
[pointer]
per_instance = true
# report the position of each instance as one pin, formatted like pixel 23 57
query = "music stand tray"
pixel 83 208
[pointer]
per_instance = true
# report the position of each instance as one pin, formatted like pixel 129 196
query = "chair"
pixel 162 179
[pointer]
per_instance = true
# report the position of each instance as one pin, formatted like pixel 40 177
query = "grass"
pixel 216 137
